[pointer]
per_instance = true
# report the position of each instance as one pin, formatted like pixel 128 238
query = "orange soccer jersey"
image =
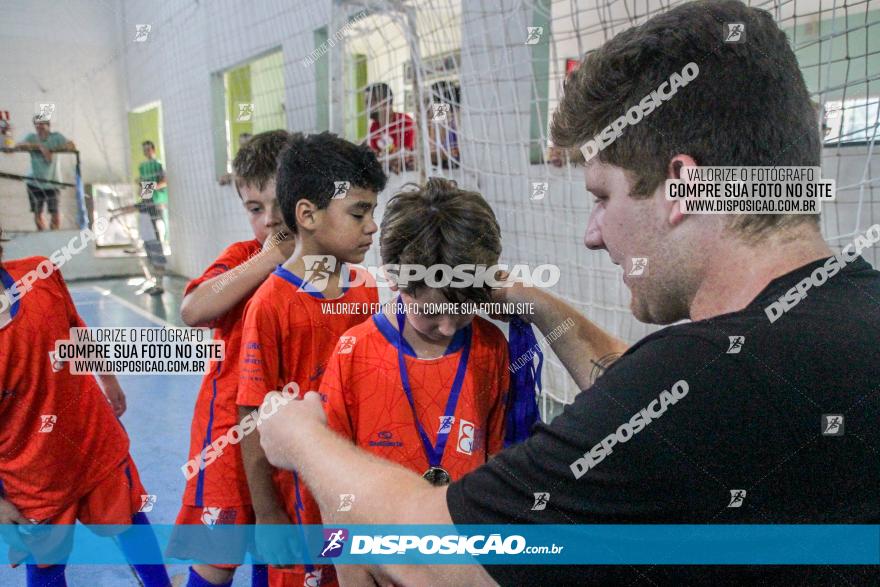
pixel 366 401
pixel 222 484
pixel 289 334
pixel 60 437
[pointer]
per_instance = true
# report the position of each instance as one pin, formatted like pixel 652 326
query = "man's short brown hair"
pixel 440 224
pixel 257 160
pixel 749 104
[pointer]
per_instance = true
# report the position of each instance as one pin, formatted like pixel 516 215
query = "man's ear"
pixel 675 170
pixel 307 214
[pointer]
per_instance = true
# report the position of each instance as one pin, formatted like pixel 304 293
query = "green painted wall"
pixel 322 83
pixel 143 126
pixel 238 91
pixel 267 89
pixel 540 53
pixel 356 126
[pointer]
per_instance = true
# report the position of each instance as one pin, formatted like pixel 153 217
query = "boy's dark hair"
pixel 447 92
pixel 148 144
pixel 380 90
pixel 310 166
pixel 749 104
pixel 257 160
pixel 440 224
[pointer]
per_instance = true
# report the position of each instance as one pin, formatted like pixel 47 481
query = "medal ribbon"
pixel 434 454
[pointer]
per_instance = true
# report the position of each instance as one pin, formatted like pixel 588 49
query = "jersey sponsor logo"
pixel 47 422
pixel 346 344
pixel 213 516
pixel 386 438
pixel 466 433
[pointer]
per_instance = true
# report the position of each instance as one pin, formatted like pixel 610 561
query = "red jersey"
pixel 59 436
pixel 223 483
pixel 400 131
pixel 289 334
pixel 366 402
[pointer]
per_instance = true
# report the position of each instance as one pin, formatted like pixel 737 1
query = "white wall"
pixel 188 42
pixel 66 53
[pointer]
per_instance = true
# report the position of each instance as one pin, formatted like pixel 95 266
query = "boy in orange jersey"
pixel 216 489
pixel 63 453
pixel 327 189
pixel 424 389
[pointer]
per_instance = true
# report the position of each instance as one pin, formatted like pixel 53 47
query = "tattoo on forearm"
pixel 600 365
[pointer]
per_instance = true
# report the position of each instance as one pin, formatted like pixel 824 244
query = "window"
pixel 248 99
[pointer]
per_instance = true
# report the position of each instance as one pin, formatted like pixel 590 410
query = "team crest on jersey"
pixel 56 364
pixel 212 516
pixel 466 434
pixel 47 422
pixel 346 344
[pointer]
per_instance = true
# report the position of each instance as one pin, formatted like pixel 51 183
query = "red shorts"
pixel 210 516
pixel 113 501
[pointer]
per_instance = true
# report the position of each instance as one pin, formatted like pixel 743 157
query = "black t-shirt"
pixel 750 420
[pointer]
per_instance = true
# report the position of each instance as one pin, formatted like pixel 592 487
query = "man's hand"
pixel 279 246
pixel 276 432
pixel 511 292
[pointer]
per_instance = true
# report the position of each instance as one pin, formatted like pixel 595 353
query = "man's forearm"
pixel 217 296
pixel 385 492
pixel 584 349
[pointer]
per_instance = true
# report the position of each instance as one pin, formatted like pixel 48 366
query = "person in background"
pixel 42 143
pixel 151 170
pixel 392 134
pixel 443 111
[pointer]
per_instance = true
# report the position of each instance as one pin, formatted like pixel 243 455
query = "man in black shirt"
pixel 734 417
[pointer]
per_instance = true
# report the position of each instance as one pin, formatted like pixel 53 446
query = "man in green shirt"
pixel 41 145
pixel 154 186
